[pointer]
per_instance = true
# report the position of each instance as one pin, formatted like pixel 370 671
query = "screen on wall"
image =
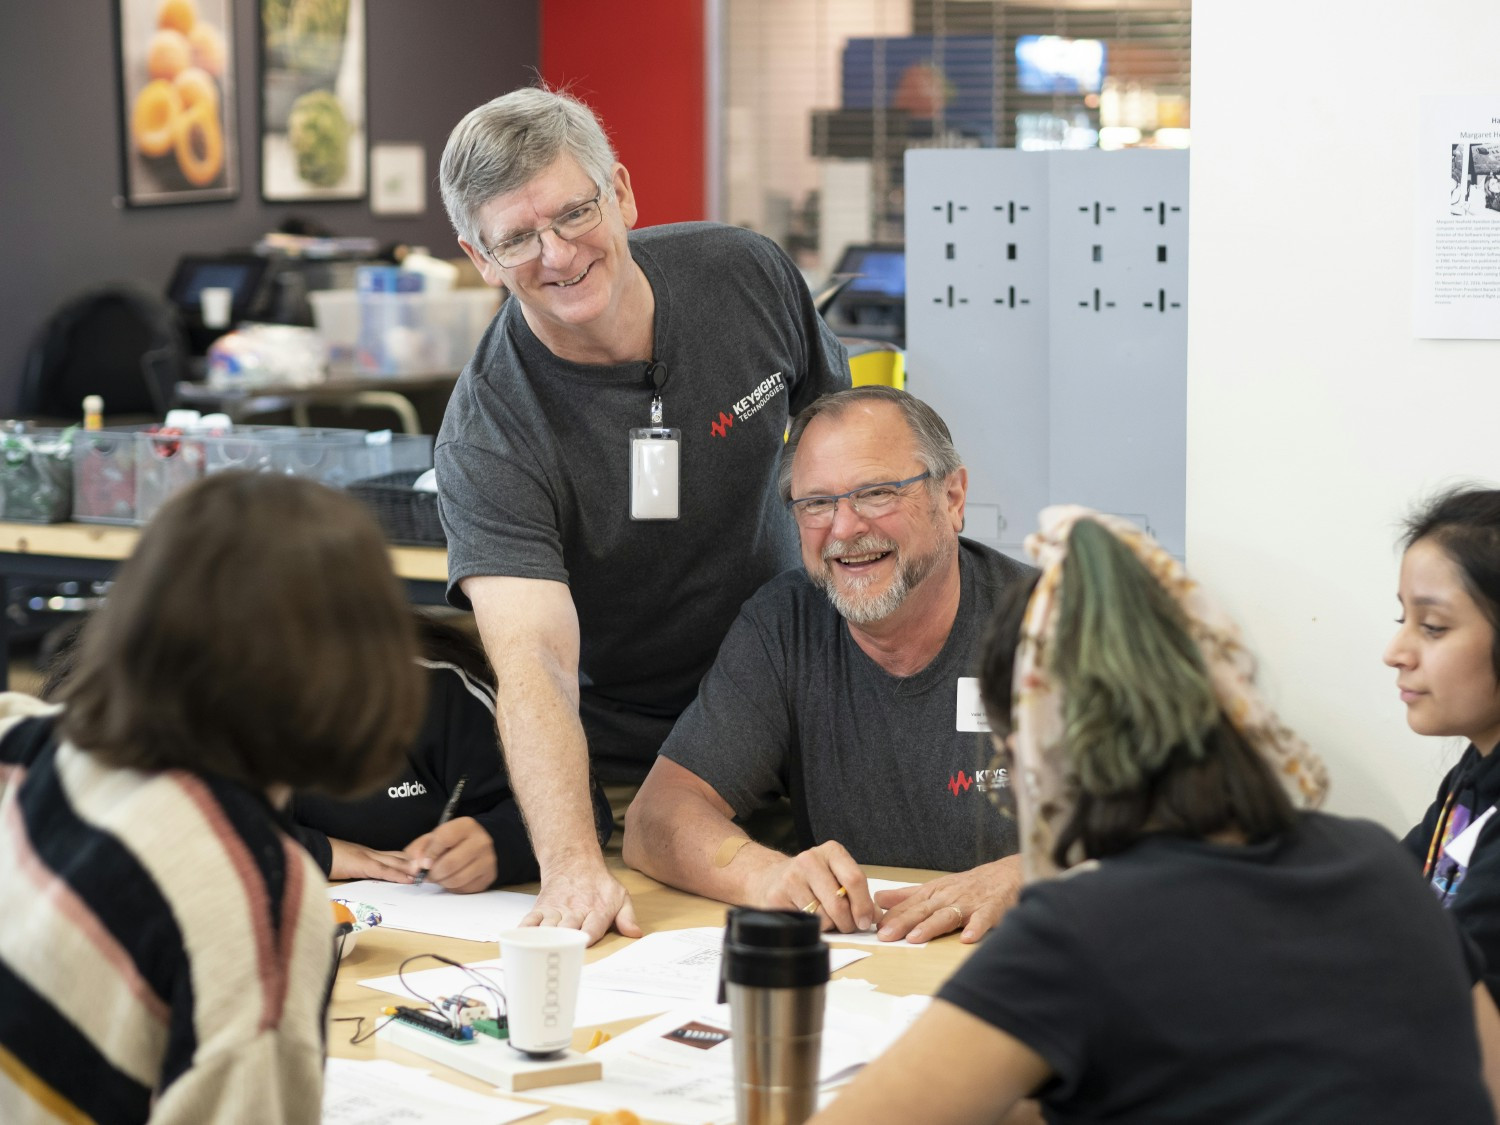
pixel 1052 64
pixel 877 269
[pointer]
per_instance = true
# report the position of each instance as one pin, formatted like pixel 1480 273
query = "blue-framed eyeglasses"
pixel 522 248
pixel 869 500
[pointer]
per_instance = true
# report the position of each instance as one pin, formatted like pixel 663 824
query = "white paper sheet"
pixel 1456 205
pixel 428 909
pixel 878 885
pixel 680 964
pixel 595 1005
pixel 381 1092
pixel 870 941
pixel 860 1023
pixel 686 1084
pixel 657 1078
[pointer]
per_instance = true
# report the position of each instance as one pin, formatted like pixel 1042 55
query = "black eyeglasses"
pixel 871 500
pixel 523 248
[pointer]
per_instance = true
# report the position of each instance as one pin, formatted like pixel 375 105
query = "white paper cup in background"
pixel 542 969
pixel 215 302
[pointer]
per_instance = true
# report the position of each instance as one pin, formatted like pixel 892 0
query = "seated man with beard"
pixel 849 689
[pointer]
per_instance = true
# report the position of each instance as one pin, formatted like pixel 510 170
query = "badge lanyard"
pixel 655 459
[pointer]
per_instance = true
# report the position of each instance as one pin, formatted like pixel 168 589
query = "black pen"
pixel 442 820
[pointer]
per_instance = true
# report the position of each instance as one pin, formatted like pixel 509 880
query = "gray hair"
pixel 934 443
pixel 506 143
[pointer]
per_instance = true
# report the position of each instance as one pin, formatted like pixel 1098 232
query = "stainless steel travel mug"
pixel 775 974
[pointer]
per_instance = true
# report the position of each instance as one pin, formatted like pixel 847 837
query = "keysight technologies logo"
pixel 407 789
pixel 749 406
pixel 986 781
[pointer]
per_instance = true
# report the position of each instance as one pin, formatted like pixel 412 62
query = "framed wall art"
pixel 312 100
pixel 177 100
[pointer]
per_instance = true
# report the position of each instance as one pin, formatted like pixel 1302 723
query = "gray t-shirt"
pixel 793 706
pixel 533 466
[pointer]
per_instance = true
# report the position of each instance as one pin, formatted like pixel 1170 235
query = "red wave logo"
pixel 721 427
pixel 962 781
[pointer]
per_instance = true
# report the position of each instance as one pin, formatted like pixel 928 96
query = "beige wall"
pixel 1314 417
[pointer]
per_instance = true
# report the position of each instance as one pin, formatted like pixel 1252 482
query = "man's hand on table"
pixel 459 855
pixel 586 898
pixel 811 881
pixel 974 899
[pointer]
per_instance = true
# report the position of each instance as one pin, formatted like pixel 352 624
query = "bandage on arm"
pixel 730 848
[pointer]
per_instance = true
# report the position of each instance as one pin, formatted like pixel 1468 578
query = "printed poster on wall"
pixel 312 100
pixel 1457 294
pixel 177 100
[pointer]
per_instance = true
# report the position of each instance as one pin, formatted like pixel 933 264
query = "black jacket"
pixel 458 739
pixel 1476 903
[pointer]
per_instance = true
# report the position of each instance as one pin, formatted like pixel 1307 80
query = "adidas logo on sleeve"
pixel 407 789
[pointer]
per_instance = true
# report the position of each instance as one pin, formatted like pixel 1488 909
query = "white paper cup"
pixel 215 302
pixel 542 969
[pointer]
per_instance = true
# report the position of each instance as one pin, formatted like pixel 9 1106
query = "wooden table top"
pixel 379 953
pixel 116 542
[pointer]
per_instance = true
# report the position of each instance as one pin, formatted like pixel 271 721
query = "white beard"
pixel 850 599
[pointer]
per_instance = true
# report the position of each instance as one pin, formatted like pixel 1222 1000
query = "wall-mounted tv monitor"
pixel 1052 64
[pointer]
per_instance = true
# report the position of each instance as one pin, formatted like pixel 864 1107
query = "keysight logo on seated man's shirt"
pixel 407 789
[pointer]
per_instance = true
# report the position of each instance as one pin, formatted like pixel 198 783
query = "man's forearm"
pixel 677 839
pixel 547 758
pixel 530 632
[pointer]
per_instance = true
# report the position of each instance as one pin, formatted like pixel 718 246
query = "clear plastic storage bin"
pixel 36 474
pixel 167 463
pixel 336 317
pixel 104 474
pixel 421 333
pixel 336 457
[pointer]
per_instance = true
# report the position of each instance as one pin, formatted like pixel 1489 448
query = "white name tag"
pixel 655 460
pixel 1460 849
pixel 970 710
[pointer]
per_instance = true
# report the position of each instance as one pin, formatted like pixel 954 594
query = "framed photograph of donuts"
pixel 313 141
pixel 177 101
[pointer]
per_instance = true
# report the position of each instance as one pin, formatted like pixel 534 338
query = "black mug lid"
pixel 774 949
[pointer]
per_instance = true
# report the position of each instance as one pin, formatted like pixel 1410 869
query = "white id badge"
pixel 655 468
pixel 1460 849
pixel 970 714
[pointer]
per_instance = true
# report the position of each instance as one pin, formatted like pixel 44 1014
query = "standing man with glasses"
pixel 606 465
pixel 849 688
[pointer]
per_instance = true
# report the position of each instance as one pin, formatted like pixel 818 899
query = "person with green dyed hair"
pixel 1193 943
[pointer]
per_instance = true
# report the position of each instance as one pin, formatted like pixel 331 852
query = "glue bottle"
pixel 93 412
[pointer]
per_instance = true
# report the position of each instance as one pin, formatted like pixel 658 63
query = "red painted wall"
pixel 640 65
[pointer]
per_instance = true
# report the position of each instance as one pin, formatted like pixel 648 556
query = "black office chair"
pixel 120 342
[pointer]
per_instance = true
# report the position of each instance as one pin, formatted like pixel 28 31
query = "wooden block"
pixel 494 1060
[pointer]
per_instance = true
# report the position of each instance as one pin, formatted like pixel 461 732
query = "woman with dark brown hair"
pixel 1193 944
pixel 1446 653
pixel 165 946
